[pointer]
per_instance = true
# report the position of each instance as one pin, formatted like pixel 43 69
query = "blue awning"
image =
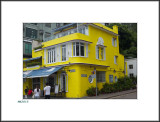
pixel 65 26
pixel 32 59
pixel 44 72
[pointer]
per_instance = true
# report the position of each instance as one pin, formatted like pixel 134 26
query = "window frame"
pixel 51 55
pixel 115 60
pixel 30 35
pixel 110 78
pixel 131 66
pixel 64 52
pixel 131 74
pixel 100 75
pixel 80 44
pixel 28 44
pixel 102 53
pixel 115 78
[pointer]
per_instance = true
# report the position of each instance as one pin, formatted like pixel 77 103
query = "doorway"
pixel 36 82
pixel 63 82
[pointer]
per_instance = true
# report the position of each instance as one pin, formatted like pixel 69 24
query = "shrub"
pixel 92 91
pixel 124 83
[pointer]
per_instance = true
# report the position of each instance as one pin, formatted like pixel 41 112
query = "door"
pixel 36 83
pixel 52 81
pixel 63 82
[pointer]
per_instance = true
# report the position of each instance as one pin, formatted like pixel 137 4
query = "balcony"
pixel 32 63
pixel 81 28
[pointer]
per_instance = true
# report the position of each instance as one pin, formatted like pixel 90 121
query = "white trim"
pixel 27 41
pixel 37 50
pixel 45 56
pixel 79 56
pixel 86 50
pixel 104 55
pixel 38 76
pixel 33 66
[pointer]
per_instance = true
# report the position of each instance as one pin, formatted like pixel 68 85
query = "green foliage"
pixel 124 83
pixel 33 64
pixel 127 38
pixel 92 91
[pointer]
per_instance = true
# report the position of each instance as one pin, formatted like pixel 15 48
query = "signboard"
pixel 83 75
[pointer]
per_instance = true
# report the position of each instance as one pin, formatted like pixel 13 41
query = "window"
pixel 98 52
pixel 116 79
pixel 130 66
pixel 51 55
pixel 78 49
pixel 48 25
pixel 115 59
pixel 114 42
pixel 111 78
pixel 27 48
pixel 131 75
pixel 31 33
pixel 102 53
pixel 101 76
pixel 63 52
pixel 47 34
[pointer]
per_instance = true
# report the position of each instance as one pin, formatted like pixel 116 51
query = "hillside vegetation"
pixel 127 38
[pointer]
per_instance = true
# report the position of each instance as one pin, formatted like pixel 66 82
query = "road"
pixel 126 96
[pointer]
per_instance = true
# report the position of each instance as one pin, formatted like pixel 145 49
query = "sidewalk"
pixel 110 95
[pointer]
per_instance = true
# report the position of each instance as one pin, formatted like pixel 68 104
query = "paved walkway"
pixel 100 96
pixel 110 95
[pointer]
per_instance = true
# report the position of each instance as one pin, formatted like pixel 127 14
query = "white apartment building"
pixel 132 67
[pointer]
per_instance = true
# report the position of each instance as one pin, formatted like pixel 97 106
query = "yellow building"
pixel 67 62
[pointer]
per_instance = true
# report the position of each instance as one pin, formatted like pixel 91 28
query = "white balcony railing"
pixel 80 29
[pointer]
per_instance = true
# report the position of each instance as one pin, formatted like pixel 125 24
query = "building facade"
pixel 40 32
pixel 68 60
pixel 132 67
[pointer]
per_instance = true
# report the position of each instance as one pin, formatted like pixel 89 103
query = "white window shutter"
pixel 45 56
pixel 61 82
pixel 96 52
pixel 112 41
pixel 115 42
pixel 86 31
pixel 55 54
pixel 51 55
pixel 59 53
pixel 86 50
pixel 67 83
pixel 104 51
pixel 67 51
pixel 70 49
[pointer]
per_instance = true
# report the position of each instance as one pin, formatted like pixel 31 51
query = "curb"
pixel 108 96
pixel 119 95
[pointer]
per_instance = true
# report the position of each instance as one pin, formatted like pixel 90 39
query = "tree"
pixel 127 38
